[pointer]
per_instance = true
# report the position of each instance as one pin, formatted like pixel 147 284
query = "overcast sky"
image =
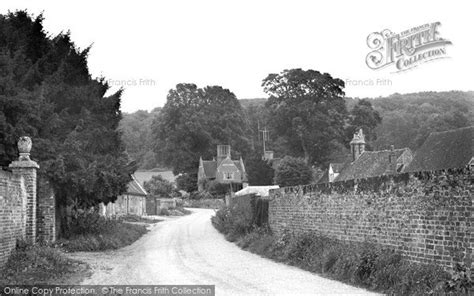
pixel 150 46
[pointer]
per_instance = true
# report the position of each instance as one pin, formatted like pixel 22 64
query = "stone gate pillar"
pixel 27 168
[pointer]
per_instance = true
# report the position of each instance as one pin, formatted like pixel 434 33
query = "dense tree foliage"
pixel 259 171
pixel 47 93
pixel 159 186
pixel 307 111
pixel 193 122
pixel 137 136
pixel 408 119
pixel 364 116
pixel 187 181
pixel 293 171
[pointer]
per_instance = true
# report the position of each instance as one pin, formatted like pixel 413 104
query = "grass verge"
pixel 361 264
pixel 41 265
pixel 93 233
pixel 139 219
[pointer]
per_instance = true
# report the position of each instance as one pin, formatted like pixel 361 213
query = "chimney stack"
pixel 223 151
pixel 357 145
pixel 392 161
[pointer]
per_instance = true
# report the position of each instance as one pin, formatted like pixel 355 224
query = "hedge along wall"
pixel 426 216
pixel 254 208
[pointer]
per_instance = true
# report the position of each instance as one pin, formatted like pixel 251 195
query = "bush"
pixel 233 222
pixel 293 171
pixel 91 232
pixel 187 182
pixel 164 212
pixel 216 189
pixel 159 186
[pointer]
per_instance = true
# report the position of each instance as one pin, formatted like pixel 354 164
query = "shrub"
pixel 159 186
pixel 233 222
pixel 88 222
pixel 91 232
pixel 461 280
pixel 164 212
pixel 216 189
pixel 293 171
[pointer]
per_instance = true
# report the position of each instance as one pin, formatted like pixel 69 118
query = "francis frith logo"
pixel 407 49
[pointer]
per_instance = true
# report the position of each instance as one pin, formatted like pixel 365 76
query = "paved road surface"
pixel 188 250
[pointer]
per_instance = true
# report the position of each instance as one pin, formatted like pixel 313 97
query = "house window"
pixel 228 176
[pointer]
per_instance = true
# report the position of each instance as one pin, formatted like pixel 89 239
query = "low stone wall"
pixel 426 216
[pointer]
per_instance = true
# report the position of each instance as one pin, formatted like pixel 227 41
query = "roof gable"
pixel 134 188
pixel 210 168
pixel 369 164
pixel 444 150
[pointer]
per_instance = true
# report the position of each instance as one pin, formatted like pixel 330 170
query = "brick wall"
pixel 23 213
pixel 12 213
pixel 45 212
pixel 426 216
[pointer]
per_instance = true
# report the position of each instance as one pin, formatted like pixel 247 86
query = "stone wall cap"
pixel 24 164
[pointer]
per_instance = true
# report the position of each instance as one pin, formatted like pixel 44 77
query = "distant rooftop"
pixel 444 150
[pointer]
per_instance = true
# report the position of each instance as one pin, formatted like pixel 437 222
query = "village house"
pixel 132 202
pixel 365 164
pixel 223 169
pixel 441 150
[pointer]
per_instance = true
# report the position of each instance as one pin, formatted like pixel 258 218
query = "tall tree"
pixel 193 122
pixel 308 111
pixel 159 186
pixel 293 171
pixel 47 93
pixel 136 135
pixel 259 171
pixel 363 116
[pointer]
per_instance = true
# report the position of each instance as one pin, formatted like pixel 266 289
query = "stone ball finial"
pixel 24 147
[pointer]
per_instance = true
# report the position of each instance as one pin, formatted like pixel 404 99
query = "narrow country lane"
pixel 188 250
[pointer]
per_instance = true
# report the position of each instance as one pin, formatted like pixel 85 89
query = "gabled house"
pixel 376 163
pixel 222 169
pixel 365 164
pixel 132 202
pixel 445 150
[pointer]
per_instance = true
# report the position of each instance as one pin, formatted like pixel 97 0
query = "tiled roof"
pixel 369 164
pixel 337 167
pixel 237 164
pixel 134 188
pixel 444 150
pixel 210 168
pixel 324 177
